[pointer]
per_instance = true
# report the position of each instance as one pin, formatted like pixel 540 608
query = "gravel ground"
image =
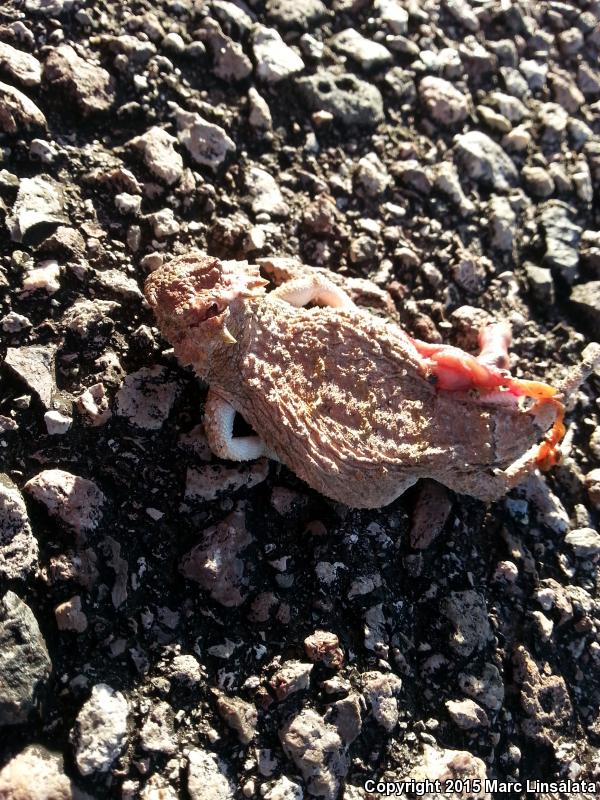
pixel 175 626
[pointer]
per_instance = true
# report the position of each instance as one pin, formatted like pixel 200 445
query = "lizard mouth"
pixel 201 311
pixel 205 320
pixel 213 310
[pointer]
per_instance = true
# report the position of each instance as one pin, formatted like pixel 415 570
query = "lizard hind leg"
pixel 496 484
pixel 590 360
pixel 544 396
pixel 494 341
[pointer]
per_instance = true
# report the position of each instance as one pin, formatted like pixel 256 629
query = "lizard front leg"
pixel 312 289
pixel 218 425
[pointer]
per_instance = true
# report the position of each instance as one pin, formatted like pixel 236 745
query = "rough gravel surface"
pixel 173 626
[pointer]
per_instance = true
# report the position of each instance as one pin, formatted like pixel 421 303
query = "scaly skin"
pixel 347 400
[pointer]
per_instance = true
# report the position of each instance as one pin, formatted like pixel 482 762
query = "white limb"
pixel 218 425
pixel 590 361
pixel 312 289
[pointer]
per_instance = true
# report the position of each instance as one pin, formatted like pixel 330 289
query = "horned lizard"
pixel 345 398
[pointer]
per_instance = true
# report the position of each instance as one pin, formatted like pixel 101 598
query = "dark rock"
pixel 214 480
pixel 541 284
pixel 25 665
pixel 17 111
pixel 562 239
pixel 345 715
pixel 590 251
pixel 430 514
pixel 35 773
pixel 19 65
pixel 486 687
pixel 544 699
pixel 275 60
pixel 18 545
pixel 402 85
pixel 38 209
pixel 444 102
pixel 296 13
pixel 147 397
pixel 586 299
pixel 208 144
pixel 230 63
pixel 367 53
pixel 238 715
pixel 87 83
pixel 216 564
pixel 100 730
pixel 208 777
pixel 34 365
pixel 351 101
pixel 294 676
pixel 468 613
pixel 316 748
pixel 485 161
pixel 413 175
pixel 157 735
pixel 75 501
pixel 380 690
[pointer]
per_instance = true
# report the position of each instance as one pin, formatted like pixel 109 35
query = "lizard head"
pixel 190 296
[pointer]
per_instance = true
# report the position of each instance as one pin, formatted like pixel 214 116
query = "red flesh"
pixel 455 370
